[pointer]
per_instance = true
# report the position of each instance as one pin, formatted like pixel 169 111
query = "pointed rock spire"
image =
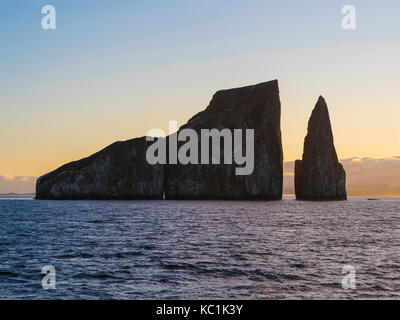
pixel 320 176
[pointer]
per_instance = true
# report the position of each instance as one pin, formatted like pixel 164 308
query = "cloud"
pixel 17 184
pixel 373 171
pixel 361 171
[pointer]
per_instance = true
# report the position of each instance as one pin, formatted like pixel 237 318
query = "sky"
pixel 113 70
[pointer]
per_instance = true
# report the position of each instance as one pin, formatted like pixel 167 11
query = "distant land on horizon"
pixel 365 190
pixel 370 190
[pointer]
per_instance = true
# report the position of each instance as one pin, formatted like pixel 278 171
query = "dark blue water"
pixel 191 250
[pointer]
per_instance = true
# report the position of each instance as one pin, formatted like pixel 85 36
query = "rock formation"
pixel 320 176
pixel 254 107
pixel 121 170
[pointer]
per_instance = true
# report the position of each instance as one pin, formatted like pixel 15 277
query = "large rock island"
pixel 121 171
pixel 320 176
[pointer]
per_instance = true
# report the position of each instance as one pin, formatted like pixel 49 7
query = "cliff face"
pixel 121 170
pixel 319 175
pixel 254 107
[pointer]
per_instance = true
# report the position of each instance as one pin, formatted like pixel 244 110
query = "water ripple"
pixel 192 250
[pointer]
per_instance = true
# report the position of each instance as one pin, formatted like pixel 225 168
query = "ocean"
pixel 200 249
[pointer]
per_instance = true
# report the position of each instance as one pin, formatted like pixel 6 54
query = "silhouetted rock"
pixel 255 107
pixel 320 176
pixel 119 171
